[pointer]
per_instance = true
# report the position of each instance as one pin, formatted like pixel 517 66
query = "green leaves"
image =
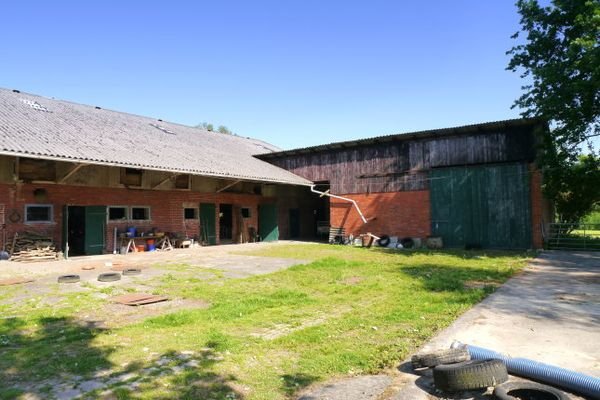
pixel 561 57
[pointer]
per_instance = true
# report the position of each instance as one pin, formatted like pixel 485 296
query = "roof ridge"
pixel 407 134
pixel 95 107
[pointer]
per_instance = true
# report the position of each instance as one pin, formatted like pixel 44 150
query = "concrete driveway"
pixel 549 313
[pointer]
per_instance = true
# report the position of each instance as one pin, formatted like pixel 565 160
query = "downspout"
pixel 312 189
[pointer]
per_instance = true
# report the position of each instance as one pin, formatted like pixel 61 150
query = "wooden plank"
pixel 138 299
pixel 228 186
pixel 14 281
pixel 168 178
pixel 71 172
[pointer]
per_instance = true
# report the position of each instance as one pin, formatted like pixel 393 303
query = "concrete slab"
pixel 549 313
pixel 219 257
pixel 368 387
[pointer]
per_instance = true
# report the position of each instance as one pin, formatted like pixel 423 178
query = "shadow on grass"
pixel 59 346
pixel 60 358
pixel 185 378
pixel 438 278
pixel 292 383
pixel 458 253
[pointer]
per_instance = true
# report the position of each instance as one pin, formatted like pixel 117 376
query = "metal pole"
pixel 312 189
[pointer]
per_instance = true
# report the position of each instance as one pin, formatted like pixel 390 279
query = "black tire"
pixel 132 271
pixel 525 390
pixel 109 277
pixel 68 279
pixel 468 375
pixel 439 357
pixel 383 240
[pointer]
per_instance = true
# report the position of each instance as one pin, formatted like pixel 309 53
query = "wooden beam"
pixel 168 178
pixel 228 186
pixel 16 170
pixel 71 172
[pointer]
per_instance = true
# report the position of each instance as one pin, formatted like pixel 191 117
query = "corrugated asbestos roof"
pixel 457 130
pixel 34 126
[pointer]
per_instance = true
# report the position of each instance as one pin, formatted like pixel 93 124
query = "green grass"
pixel 587 232
pixel 592 218
pixel 348 311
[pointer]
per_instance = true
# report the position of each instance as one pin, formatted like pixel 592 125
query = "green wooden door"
pixel 487 206
pixel 95 228
pixel 208 225
pixel 268 228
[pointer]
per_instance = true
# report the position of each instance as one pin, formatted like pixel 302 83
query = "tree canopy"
pixel 210 127
pixel 559 55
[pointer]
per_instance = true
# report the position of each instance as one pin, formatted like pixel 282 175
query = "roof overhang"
pixel 153 168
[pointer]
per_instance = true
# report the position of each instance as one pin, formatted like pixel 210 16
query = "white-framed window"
pixel 39 213
pixel 118 213
pixel 190 213
pixel 140 213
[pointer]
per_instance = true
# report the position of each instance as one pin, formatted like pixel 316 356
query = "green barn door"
pixel 95 229
pixel 485 206
pixel 208 225
pixel 268 228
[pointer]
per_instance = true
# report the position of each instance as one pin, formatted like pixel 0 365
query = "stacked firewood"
pixel 31 247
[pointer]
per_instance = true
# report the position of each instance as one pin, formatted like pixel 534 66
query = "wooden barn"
pixel 474 186
pixel 92 181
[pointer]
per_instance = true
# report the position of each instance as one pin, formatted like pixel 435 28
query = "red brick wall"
pixel 541 209
pixel 403 214
pixel 166 207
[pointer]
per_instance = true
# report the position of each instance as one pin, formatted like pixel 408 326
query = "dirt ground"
pixel 43 276
pixel 218 257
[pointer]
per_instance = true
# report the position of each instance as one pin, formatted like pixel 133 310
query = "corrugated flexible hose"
pixel 554 376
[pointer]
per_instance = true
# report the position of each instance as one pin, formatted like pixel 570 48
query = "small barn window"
pixel 182 182
pixel 131 177
pixel 117 213
pixel 190 213
pixel 38 213
pixel 37 170
pixel 140 213
pixel 245 212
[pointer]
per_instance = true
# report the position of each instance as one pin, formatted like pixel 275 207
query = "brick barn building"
pixel 75 173
pixel 83 176
pixel 473 185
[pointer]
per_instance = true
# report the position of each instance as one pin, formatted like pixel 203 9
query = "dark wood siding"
pixel 487 206
pixel 403 165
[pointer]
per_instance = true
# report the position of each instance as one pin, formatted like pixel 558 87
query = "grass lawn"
pixel 347 311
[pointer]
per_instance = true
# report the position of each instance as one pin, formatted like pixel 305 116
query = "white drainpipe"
pixel 312 189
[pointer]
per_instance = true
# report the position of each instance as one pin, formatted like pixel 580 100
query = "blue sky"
pixel 293 73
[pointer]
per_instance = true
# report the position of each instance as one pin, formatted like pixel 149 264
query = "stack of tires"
pixel 454 371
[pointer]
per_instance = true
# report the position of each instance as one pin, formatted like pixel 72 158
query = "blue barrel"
pixel 131 231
